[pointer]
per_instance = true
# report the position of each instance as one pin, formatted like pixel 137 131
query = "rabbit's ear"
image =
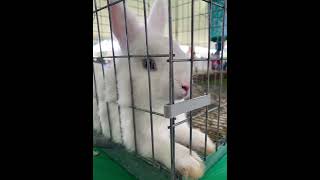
pixel 158 16
pixel 119 27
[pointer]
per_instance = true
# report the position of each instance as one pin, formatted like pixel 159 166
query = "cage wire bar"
pixel 191 73
pixel 130 74
pixel 221 60
pixel 104 59
pixel 100 48
pixel 115 74
pixel 148 68
pixel 99 38
pixel 208 80
pixel 171 93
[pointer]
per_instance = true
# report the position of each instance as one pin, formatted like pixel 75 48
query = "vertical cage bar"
pixel 199 23
pixel 149 82
pixel 208 80
pixel 95 89
pixel 109 120
pixel 176 21
pixel 99 37
pixel 214 70
pixel 97 99
pixel 221 78
pixel 171 93
pixel 114 67
pixel 95 85
pixel 191 70
pixel 130 74
pixel 214 78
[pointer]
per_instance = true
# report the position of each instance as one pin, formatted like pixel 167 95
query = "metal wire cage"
pixel 191 23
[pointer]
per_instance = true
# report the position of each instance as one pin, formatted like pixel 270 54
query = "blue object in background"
pixel 217 14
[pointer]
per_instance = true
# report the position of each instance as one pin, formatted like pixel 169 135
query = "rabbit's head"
pixel 157 44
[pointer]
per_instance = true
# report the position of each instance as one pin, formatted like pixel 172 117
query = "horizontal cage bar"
pixel 184 60
pixel 172 110
pixel 106 6
pixel 201 114
pixel 138 108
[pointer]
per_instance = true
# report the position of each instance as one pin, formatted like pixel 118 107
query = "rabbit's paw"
pixel 211 147
pixel 190 165
pixel 199 143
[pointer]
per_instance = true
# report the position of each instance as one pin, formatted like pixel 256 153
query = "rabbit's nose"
pixel 185 87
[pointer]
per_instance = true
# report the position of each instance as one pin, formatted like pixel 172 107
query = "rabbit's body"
pixel 122 127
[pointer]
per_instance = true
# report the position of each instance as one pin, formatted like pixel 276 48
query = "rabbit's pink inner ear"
pixel 118 24
pixel 158 16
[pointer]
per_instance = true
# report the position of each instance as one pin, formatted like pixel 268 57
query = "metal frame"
pixel 172 109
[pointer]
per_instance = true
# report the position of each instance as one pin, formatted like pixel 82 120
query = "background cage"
pixel 213 118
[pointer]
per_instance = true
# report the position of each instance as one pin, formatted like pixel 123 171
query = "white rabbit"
pixel 122 128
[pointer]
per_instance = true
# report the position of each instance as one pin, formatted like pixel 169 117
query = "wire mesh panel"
pixel 132 95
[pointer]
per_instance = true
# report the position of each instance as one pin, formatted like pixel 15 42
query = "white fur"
pixel 188 165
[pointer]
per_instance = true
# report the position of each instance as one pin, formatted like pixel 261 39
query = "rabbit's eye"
pixel 153 66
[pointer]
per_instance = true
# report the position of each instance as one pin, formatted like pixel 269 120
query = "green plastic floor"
pixel 105 168
pixel 218 171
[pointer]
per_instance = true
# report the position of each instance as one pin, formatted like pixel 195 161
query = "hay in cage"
pixel 199 115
